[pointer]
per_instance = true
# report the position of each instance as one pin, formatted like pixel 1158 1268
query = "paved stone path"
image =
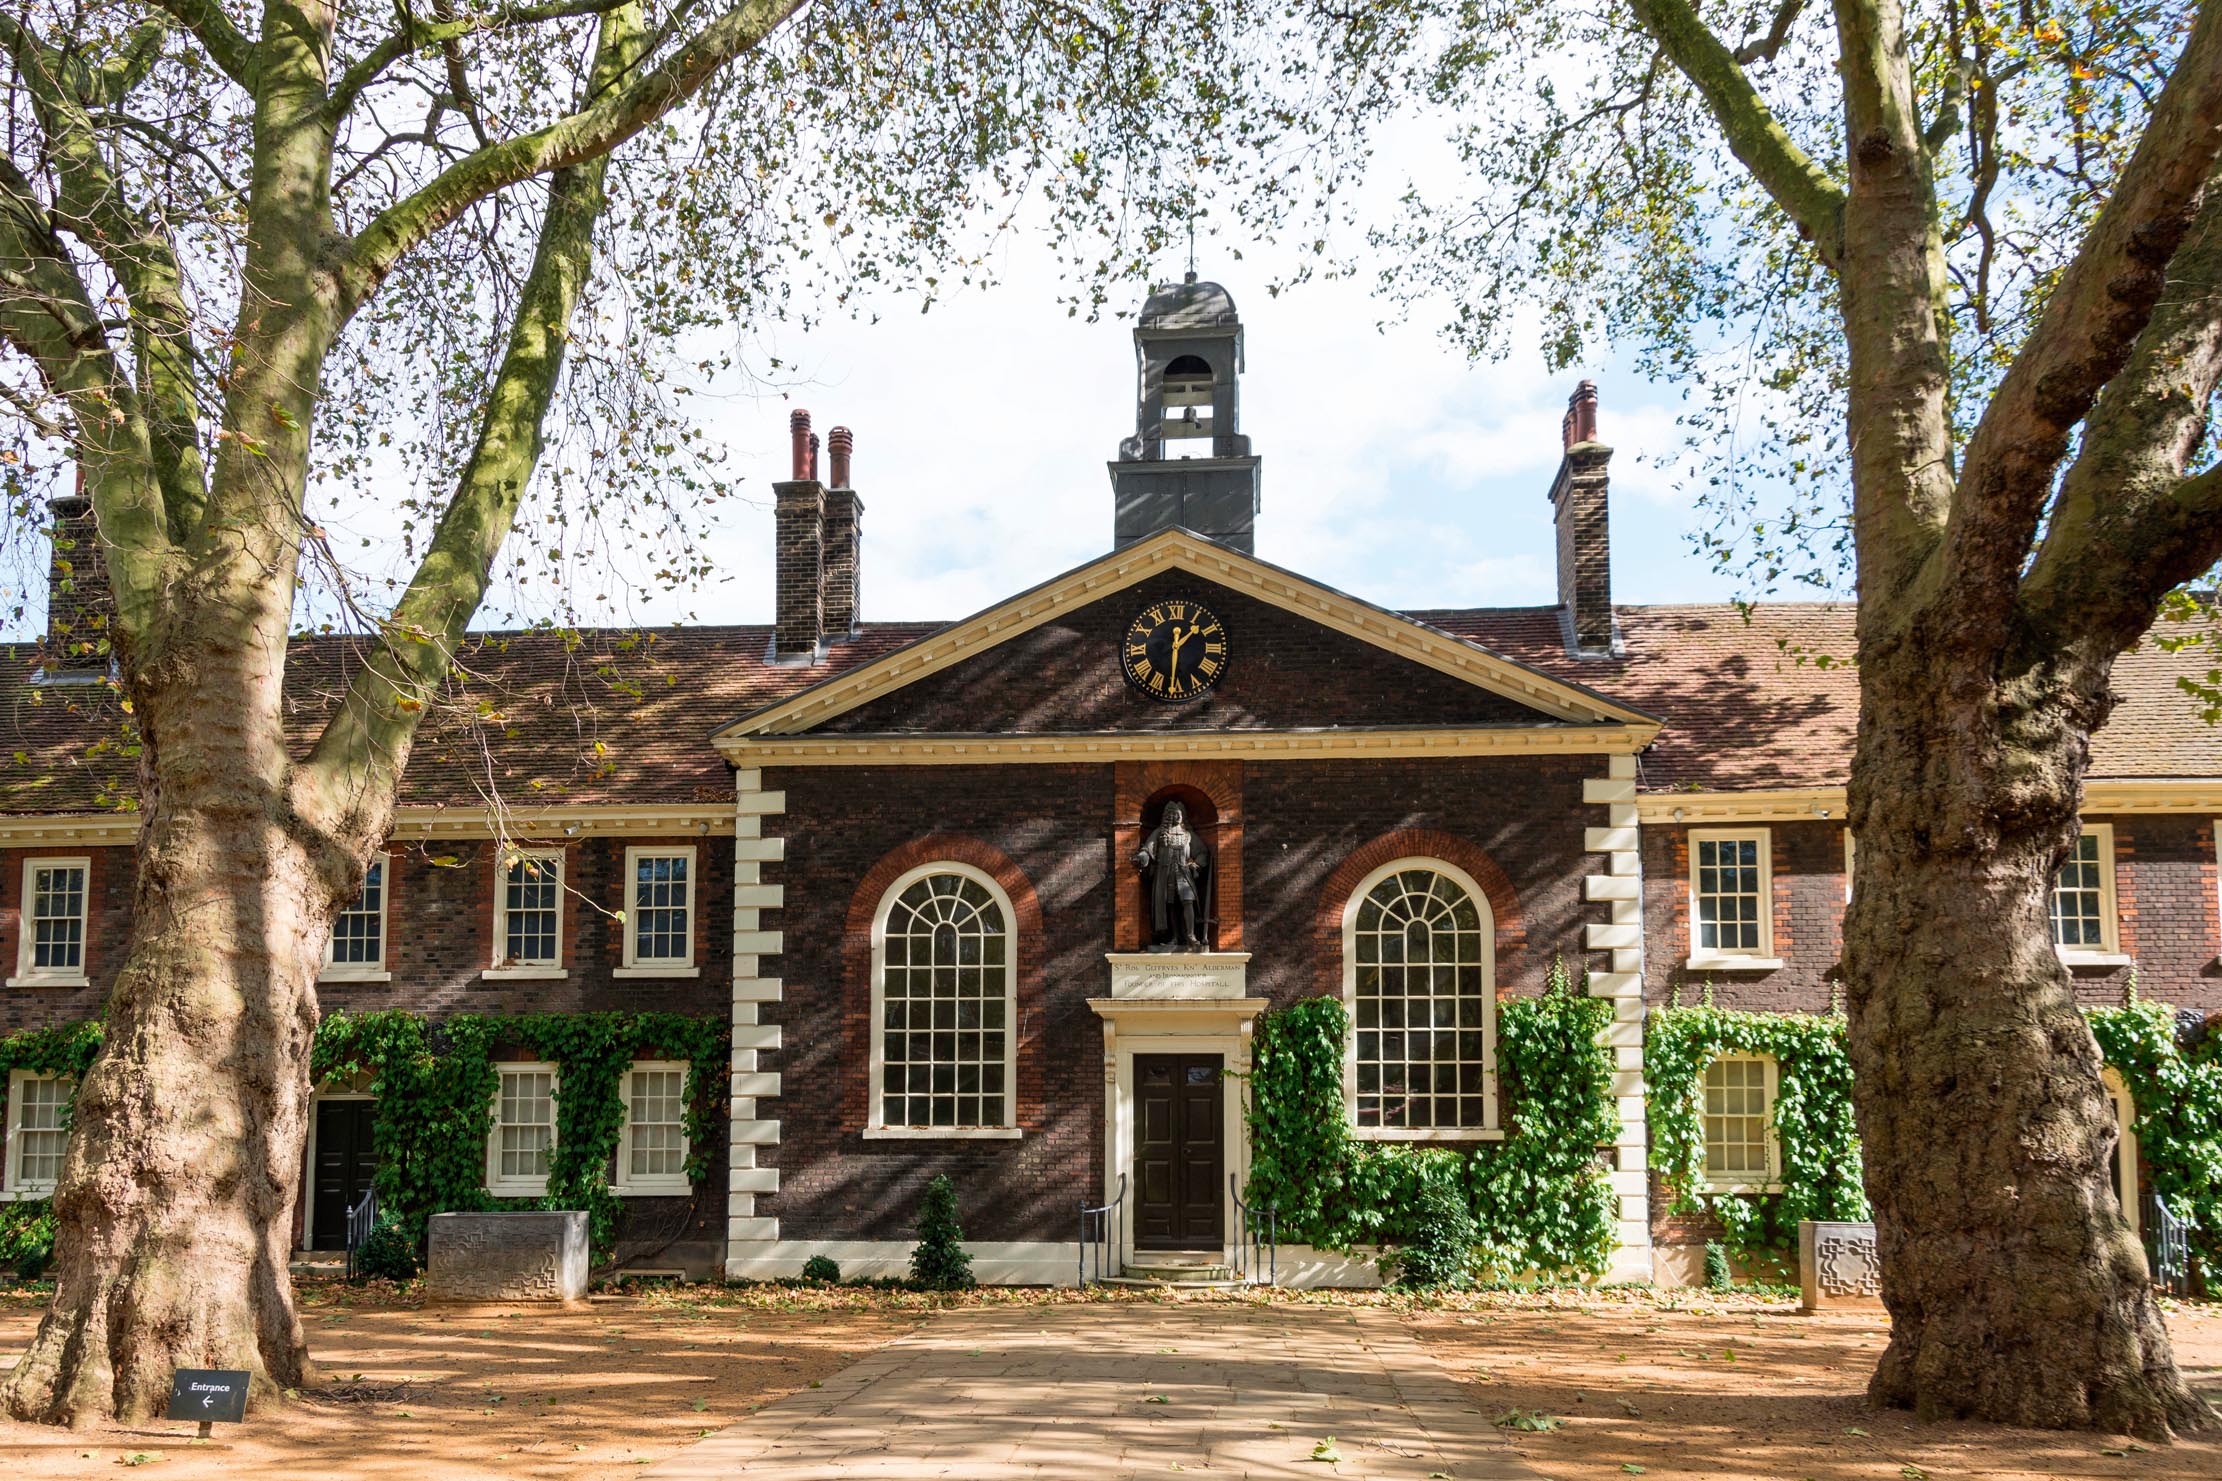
pixel 1122 1391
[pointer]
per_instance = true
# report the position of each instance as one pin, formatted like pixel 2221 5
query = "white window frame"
pixel 376 971
pixel 1489 1130
pixel 2125 1143
pixel 1850 848
pixel 496 1184
pixel 876 1127
pixel 18 1187
pixel 623 1181
pixel 636 965
pixel 2109 951
pixel 1735 959
pixel 27 975
pixel 1739 1181
pixel 502 969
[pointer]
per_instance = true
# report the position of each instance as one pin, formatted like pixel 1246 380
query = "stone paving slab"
pixel 1123 1393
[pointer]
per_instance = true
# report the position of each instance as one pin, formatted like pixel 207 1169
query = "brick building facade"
pixel 901 857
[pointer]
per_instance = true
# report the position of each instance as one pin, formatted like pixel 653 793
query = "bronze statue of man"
pixel 1172 861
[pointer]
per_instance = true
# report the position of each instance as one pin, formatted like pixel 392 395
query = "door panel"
pixel 346 1159
pixel 1178 1156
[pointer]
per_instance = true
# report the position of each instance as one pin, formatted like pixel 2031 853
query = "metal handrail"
pixel 361 1219
pixel 2167 1245
pixel 1251 1249
pixel 1105 1236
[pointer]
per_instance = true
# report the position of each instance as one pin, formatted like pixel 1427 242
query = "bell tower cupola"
pixel 1187 464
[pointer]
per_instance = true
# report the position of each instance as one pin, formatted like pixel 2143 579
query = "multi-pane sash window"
pixel 359 934
pixel 1739 1120
pixel 532 911
pixel 2083 893
pixel 1728 893
pixel 660 908
pixel 524 1129
pixel 945 1003
pixel 652 1154
pixel 54 919
pixel 1420 998
pixel 38 1108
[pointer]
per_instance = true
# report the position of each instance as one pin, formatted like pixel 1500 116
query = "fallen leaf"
pixel 1325 1450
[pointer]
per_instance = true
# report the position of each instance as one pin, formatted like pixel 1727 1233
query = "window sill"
pixel 2074 959
pixel 674 971
pixel 942 1133
pixel 1744 1189
pixel 43 979
pixel 354 974
pixel 516 1190
pixel 525 974
pixel 28 1193
pixel 1733 964
pixel 680 1189
pixel 1427 1133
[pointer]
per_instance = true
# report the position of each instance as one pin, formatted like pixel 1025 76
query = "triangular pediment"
pixel 1306 658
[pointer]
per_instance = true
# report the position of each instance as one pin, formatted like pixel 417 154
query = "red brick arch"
pixel 856 968
pixel 1417 843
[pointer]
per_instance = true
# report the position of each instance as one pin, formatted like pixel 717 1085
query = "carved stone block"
pixel 1837 1266
pixel 535 1256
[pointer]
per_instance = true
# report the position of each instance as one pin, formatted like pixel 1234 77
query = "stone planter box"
pixel 536 1256
pixel 1837 1267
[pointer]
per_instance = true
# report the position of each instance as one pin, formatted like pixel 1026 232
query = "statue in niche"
pixel 1173 860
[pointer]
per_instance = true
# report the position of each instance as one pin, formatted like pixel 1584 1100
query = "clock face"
pixel 1174 650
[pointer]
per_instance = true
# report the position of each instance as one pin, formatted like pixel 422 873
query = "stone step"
pixel 1149 1284
pixel 1175 1272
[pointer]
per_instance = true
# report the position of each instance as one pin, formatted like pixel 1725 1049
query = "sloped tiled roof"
pixel 626 717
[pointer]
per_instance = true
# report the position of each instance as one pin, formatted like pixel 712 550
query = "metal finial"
pixel 1191 246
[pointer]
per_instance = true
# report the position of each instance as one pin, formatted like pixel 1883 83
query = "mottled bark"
pixel 2016 1290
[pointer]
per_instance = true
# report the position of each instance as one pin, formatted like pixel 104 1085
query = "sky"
pixel 1393 468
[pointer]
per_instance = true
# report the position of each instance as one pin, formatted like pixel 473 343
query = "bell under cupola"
pixel 1187 464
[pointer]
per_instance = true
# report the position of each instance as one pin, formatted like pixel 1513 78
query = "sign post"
pixel 209 1396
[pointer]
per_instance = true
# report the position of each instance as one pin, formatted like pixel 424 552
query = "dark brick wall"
pixel 1580 519
pixel 1808 906
pixel 1283 670
pixel 107 930
pixel 1305 825
pixel 798 567
pixel 2164 885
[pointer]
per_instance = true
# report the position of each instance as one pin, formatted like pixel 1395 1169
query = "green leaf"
pixel 1325 1450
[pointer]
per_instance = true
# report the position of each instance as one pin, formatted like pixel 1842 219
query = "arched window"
pixel 944 975
pixel 1419 980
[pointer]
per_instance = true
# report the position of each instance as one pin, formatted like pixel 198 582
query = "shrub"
pixel 938 1262
pixel 1718 1277
pixel 1443 1234
pixel 821 1268
pixel 389 1253
pixel 27 1237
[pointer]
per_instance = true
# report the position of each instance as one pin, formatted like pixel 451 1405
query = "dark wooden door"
pixel 345 1160
pixel 1179 1152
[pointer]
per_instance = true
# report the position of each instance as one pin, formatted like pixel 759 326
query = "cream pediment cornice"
pixel 1217 745
pixel 412 824
pixel 2101 795
pixel 1178 550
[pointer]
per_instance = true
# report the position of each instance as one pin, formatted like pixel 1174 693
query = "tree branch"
pixel 359 757
pixel 1769 46
pixel 1804 191
pixel 594 130
pixel 2099 308
pixel 226 44
pixel 415 37
pixel 2128 527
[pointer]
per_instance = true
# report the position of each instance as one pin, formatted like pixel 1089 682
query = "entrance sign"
pixel 209 1395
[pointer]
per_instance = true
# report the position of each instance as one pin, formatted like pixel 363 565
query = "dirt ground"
pixel 1665 1385
pixel 1736 1390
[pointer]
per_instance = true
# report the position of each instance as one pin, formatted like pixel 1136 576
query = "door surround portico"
pixel 1175 1003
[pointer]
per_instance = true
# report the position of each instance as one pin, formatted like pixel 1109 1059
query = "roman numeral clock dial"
pixel 1174 651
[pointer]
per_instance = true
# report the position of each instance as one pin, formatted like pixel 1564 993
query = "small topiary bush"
pixel 388 1254
pixel 1718 1277
pixel 822 1269
pixel 27 1237
pixel 1443 1232
pixel 938 1262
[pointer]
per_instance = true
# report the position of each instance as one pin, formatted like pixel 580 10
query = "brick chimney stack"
pixel 843 540
pixel 78 602
pixel 1578 512
pixel 798 568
